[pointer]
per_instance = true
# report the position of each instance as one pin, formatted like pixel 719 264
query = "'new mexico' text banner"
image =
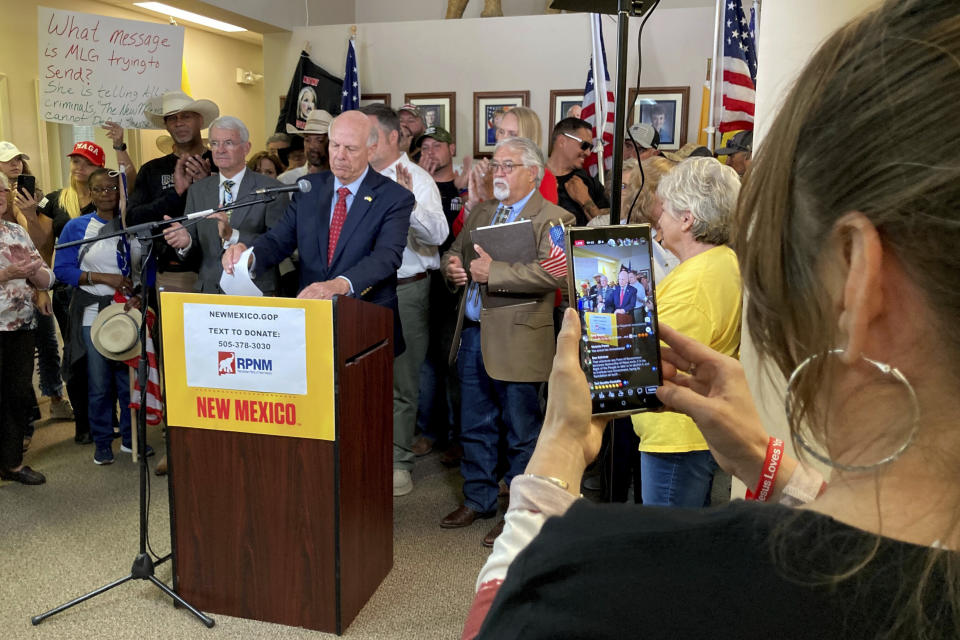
pixel 248 364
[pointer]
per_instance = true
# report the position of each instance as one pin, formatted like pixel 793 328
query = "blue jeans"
pixel 488 408
pixel 677 479
pixel 48 357
pixel 108 382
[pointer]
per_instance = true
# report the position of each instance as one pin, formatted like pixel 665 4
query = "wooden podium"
pixel 292 530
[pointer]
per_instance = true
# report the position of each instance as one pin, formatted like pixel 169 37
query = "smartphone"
pixel 27 184
pixel 611 281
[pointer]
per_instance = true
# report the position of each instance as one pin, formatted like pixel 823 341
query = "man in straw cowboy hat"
pixel 161 186
pixel 315 141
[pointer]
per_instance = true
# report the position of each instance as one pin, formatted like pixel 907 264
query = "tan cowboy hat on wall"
pixel 173 102
pixel 115 333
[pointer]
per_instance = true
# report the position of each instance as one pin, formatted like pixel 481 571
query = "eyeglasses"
pixel 584 145
pixel 226 144
pixel 507 166
pixel 111 189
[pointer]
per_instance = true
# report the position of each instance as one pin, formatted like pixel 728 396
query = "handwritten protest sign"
pixel 94 68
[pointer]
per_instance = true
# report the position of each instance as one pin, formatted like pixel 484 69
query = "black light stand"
pixel 624 9
pixel 143 564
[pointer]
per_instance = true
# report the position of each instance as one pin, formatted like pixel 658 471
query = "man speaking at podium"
pixel 350 228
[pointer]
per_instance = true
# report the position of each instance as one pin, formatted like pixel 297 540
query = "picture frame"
pixel 486 104
pixel 437 109
pixel 374 98
pixel 561 100
pixel 667 105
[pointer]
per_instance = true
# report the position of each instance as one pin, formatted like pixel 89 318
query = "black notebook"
pixel 513 242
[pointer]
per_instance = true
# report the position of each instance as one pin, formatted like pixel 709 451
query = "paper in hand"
pixel 240 283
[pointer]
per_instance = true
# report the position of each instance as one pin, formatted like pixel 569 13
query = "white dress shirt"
pixel 428 224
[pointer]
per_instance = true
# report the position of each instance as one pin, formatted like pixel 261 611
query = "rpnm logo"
pixel 226 363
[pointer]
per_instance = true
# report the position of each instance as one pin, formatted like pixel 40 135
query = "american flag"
pixel 598 81
pixel 739 71
pixel 556 262
pixel 350 99
pixel 154 392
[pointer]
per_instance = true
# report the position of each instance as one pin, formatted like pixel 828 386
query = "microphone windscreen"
pixel 304 185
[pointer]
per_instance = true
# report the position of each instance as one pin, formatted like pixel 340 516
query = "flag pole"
pixel 717 68
pixel 619 109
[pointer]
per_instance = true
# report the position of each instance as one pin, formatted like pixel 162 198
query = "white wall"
pixel 539 53
pixel 789 35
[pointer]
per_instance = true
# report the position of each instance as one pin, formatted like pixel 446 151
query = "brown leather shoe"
pixel 452 456
pixel 489 539
pixel 422 446
pixel 463 516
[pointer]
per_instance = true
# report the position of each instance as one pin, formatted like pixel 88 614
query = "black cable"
pixel 630 110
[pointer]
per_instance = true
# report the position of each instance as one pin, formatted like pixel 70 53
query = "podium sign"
pixel 240 364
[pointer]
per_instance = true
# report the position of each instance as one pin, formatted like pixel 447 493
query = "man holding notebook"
pixel 505 325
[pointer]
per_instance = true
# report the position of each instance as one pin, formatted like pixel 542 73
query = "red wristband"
pixel 768 473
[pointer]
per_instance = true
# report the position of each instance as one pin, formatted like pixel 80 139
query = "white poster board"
pixel 93 68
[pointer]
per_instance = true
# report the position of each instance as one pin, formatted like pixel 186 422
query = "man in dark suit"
pixel 350 228
pixel 230 144
pixel 622 298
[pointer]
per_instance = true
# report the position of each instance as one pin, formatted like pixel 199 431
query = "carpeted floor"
pixel 79 531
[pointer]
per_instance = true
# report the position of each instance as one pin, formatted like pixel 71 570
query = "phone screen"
pixel 26 183
pixel 612 285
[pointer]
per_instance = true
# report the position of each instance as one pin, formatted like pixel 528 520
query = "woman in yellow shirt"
pixel 700 298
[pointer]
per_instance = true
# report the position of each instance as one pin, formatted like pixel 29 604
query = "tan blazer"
pixel 517 342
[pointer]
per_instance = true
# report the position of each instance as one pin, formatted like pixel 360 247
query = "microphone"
pixel 303 186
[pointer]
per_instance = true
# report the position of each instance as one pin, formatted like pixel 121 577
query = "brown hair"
pixel 254 162
pixel 654 169
pixel 827 156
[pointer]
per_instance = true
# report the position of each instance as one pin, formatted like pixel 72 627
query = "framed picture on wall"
pixel 564 103
pixel 438 109
pixel 374 98
pixel 666 109
pixel 488 108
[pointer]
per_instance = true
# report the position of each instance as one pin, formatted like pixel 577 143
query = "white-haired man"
pixel 505 352
pixel 230 144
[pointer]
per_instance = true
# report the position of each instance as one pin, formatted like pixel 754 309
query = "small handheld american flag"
pixel 556 263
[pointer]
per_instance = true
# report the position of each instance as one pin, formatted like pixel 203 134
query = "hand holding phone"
pixel 619 345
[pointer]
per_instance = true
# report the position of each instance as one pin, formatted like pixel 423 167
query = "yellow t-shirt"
pixel 700 298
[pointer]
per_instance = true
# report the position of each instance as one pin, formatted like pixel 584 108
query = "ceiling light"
pixel 189 16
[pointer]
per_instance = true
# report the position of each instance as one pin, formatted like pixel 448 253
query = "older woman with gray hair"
pixel 701 298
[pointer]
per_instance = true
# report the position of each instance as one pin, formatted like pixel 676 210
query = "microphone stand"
pixel 144 565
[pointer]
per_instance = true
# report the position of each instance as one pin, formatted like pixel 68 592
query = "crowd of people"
pixel 828 263
pixel 413 258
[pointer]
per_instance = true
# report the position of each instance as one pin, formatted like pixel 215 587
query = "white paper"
pixel 240 283
pixel 246 348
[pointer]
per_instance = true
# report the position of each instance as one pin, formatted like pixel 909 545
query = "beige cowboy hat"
pixel 115 333
pixel 173 102
pixel 318 121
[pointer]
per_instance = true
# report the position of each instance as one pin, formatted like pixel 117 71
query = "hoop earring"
pixel 886 370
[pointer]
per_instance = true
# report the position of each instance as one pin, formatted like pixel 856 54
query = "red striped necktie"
pixel 336 224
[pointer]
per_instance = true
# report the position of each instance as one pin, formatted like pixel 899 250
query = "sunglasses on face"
pixel 584 145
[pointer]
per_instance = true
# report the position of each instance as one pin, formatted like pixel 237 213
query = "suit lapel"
pixel 320 217
pixel 362 203
pixel 244 189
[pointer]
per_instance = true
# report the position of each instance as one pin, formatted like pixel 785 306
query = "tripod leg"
pixel 167 590
pixel 43 616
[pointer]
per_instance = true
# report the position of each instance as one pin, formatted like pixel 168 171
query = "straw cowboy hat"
pixel 318 121
pixel 173 102
pixel 115 333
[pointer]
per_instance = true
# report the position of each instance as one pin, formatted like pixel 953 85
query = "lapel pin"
pixel 368 198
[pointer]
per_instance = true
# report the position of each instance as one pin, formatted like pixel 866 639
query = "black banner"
pixel 310 88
